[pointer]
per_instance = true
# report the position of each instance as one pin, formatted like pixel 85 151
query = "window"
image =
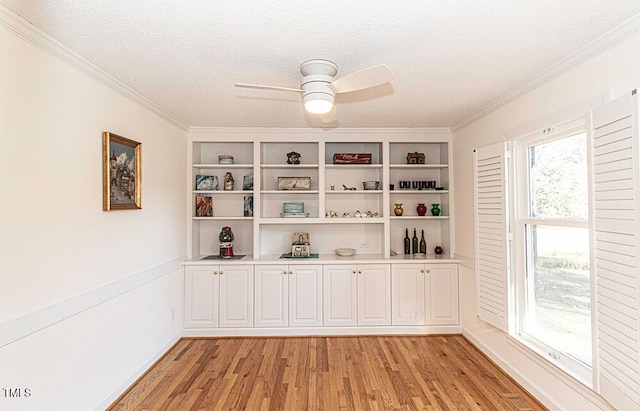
pixel 552 279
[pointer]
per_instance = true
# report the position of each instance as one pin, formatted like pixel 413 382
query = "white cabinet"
pixel 288 295
pixel 357 294
pixel 424 294
pixel 218 296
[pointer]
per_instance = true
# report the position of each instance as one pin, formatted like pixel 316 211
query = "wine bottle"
pixel 407 242
pixel 423 244
pixel 415 241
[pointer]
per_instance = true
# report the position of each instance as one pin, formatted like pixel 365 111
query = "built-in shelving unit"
pixel 262 154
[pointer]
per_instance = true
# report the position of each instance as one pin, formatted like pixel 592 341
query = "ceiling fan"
pixel 319 85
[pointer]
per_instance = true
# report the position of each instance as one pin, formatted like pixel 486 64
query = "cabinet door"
pixel 442 294
pixel 236 296
pixel 408 294
pixel 271 291
pixel 374 294
pixel 340 295
pixel 201 297
pixel 305 295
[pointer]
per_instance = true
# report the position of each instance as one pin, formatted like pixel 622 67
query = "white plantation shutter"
pixel 491 235
pixel 616 183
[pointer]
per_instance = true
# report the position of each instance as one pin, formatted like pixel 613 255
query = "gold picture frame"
pixel 122 173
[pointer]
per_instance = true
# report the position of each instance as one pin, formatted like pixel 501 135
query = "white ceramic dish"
pixel 345 252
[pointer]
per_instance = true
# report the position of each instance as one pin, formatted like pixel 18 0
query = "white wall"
pixel 93 290
pixel 618 70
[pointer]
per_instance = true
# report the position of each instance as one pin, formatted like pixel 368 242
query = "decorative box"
pixel 415 158
pixel 352 158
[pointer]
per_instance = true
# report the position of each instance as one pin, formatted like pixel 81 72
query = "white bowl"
pixel 345 252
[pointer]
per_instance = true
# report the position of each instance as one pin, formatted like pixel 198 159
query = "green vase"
pixel 435 209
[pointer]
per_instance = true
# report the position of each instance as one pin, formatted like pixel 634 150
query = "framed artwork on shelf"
pixel 294 183
pixel 122 173
pixel 206 183
pixel 247 183
pixel 204 206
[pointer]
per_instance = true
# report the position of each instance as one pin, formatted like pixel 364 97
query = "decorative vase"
pixel 398 210
pixel 421 209
pixel 438 250
pixel 435 209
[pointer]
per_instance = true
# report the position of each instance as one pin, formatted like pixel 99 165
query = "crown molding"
pixel 36 37
pixel 602 43
pixel 321 131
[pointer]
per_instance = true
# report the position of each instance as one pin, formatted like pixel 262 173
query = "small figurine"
pixel 369 214
pixel 293 157
pixel 358 214
pixel 228 181
pixel 346 215
pixel 348 188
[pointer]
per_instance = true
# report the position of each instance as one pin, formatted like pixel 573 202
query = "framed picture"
pixel 294 183
pixel 122 173
pixel 206 183
pixel 204 206
pixel 247 183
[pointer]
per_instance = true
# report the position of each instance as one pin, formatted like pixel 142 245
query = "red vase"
pixel 421 209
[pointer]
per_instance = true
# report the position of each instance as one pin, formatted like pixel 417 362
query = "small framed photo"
pixel 294 183
pixel 248 206
pixel 204 206
pixel 247 183
pixel 121 172
pixel 206 183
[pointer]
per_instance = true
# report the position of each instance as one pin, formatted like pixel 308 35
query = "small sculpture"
pixel 346 215
pixel 358 214
pixel 228 181
pixel 293 157
pixel 348 188
pixel 369 214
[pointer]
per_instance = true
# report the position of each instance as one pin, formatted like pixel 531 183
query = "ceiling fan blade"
pixel 330 117
pixel 362 79
pixel 259 86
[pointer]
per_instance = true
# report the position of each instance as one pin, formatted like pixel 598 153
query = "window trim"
pixel 540 133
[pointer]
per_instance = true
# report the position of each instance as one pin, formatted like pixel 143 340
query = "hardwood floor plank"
pixel 435 373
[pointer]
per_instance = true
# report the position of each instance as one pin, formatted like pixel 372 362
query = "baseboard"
pixel 124 386
pixel 319 331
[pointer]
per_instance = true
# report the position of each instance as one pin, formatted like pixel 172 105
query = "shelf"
pixel 418 166
pixel 324 220
pixel 289 192
pixel 427 192
pixel 417 217
pixel 222 166
pixel 288 166
pixel 222 218
pixel 222 191
pixel 352 166
pixel 353 192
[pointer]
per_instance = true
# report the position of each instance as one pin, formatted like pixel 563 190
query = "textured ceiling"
pixel 451 59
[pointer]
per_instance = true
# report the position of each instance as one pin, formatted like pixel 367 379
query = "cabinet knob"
pixel 290 272
pixel 354 271
pixel 221 272
pixel 215 273
pixel 359 272
pixel 422 271
pixel 428 271
pixel 284 272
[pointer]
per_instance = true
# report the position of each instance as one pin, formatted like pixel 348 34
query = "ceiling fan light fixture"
pixel 318 103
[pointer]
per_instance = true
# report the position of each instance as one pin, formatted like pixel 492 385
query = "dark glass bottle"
pixel 407 242
pixel 423 244
pixel 414 241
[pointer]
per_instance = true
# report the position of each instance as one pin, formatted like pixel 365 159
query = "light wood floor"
pixel 326 373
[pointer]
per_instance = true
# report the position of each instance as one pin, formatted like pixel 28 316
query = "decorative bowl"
pixel 225 159
pixel 371 185
pixel 345 252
